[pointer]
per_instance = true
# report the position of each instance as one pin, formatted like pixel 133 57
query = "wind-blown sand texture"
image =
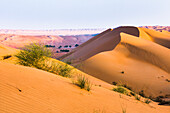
pixel 29 90
pixel 137 57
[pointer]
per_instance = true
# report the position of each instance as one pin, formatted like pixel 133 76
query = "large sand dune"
pixel 29 90
pixel 133 56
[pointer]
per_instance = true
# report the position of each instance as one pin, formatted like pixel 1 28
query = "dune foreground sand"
pixel 29 90
pixel 136 57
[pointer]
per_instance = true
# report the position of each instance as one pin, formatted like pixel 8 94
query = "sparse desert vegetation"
pixel 120 89
pixel 33 55
pixel 38 56
pixel 137 97
pixel 147 101
pixel 83 82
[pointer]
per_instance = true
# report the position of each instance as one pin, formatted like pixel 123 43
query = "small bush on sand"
pixel 137 97
pixel 36 55
pixel 64 70
pixel 147 101
pixel 83 83
pixel 120 89
pixel 33 55
pixel 132 93
pixel 57 68
pixel 123 110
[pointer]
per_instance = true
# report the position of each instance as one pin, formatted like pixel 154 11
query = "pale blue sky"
pixel 74 14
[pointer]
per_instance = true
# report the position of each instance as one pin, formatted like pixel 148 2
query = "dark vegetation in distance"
pixel 49 45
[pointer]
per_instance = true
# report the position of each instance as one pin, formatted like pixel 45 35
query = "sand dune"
pixel 30 90
pixel 110 38
pixel 128 55
pixel 144 63
pixel 4 51
pixel 162 38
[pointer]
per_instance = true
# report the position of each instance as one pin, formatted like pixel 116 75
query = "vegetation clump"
pixel 83 83
pixel 33 55
pixel 137 97
pixel 114 83
pixel 64 70
pixel 37 55
pixel 147 101
pixel 120 89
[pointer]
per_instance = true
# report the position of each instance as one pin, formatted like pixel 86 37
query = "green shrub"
pixel 141 93
pixel 36 55
pixel 33 55
pixel 83 83
pixel 64 70
pixel 120 90
pixel 57 68
pixel 137 97
pixel 147 101
pixel 132 93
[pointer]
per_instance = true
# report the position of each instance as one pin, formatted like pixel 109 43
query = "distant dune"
pixel 133 56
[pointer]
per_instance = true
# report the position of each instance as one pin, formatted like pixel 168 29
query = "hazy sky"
pixel 66 14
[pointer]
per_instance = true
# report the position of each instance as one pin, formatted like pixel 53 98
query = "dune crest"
pixel 129 55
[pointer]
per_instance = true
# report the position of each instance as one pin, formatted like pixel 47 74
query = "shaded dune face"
pixel 127 55
pixel 105 41
pixel 161 38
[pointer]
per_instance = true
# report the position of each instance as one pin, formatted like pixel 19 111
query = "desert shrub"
pixel 114 83
pixel 126 86
pixel 141 93
pixel 120 89
pixel 137 97
pixel 83 83
pixel 6 57
pixel 64 70
pixel 132 93
pixel 36 55
pixel 33 55
pixel 57 68
pixel 88 85
pixel 123 110
pixel 147 101
pixel 161 100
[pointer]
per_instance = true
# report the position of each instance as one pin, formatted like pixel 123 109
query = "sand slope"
pixel 4 51
pixel 162 38
pixel 30 90
pixel 146 64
